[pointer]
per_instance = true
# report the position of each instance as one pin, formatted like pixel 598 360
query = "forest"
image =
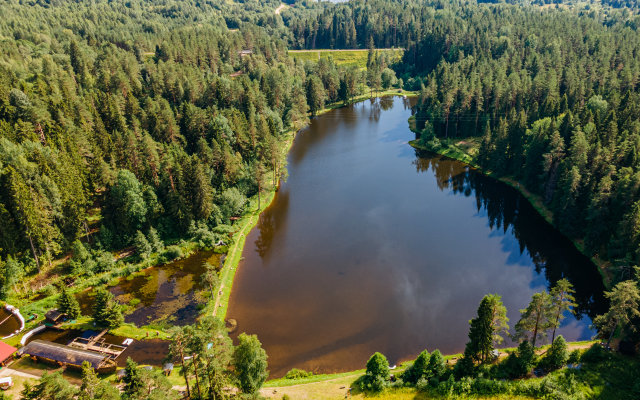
pixel 136 125
pixel 119 118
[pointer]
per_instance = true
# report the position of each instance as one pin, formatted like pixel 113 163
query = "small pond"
pixel 9 323
pixel 167 294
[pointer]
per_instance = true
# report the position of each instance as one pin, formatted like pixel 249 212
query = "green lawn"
pixel 342 57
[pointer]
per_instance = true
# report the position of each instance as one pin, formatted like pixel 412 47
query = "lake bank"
pixel 459 153
pixel 359 243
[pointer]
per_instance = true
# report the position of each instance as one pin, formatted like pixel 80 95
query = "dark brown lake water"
pixel 370 246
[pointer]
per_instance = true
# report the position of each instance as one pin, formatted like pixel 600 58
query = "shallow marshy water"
pixel 370 246
pixel 171 293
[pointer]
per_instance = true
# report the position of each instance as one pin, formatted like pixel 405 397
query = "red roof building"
pixel 6 352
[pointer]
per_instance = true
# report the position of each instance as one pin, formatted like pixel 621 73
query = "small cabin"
pixel 6 353
pixel 243 53
pixel 55 317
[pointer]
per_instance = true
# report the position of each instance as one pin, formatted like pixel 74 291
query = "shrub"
pixel 594 354
pixel 296 373
pixel 574 357
pixel 171 253
pixel 557 355
pixel 377 373
pixel 418 370
pixel 464 367
pixel 487 387
pixel 437 364
pixel 104 262
pixel 519 363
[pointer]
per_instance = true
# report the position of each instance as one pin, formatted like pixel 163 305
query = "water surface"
pixel 169 294
pixel 9 323
pixel 370 246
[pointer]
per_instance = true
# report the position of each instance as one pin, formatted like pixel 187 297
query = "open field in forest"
pixel 357 57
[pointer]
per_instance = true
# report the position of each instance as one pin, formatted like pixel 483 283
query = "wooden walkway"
pixel 97 344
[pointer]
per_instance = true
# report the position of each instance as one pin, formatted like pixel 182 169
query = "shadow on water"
pixel 508 211
pixel 169 293
pixel 369 247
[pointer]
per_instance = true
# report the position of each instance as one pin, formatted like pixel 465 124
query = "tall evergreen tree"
pixel 535 319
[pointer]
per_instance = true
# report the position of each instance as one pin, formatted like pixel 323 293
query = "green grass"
pixel 343 57
pixel 228 272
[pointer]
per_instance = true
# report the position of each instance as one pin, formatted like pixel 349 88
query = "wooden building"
pixel 62 355
pixel 6 353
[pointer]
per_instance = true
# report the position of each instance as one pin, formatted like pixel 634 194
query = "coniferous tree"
pixel 623 311
pixel 535 319
pixel 487 328
pixel 562 300
pixel 68 304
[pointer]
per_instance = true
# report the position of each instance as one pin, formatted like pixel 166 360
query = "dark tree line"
pixel 553 95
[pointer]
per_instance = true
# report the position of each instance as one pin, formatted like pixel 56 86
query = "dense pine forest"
pixel 131 127
pixel 558 112
pixel 159 117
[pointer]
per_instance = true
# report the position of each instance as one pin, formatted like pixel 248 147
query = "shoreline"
pixel 402 365
pixel 250 220
pixel 456 153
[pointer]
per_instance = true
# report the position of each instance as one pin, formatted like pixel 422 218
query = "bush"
pixel 574 357
pixel 488 387
pixel 437 364
pixel 519 363
pixel 171 253
pixel 377 373
pixel 296 373
pixel 104 262
pixel 418 370
pixel 594 354
pixel 557 355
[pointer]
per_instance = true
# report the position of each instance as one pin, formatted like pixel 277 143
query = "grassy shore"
pixel 466 150
pixel 336 386
pixel 219 306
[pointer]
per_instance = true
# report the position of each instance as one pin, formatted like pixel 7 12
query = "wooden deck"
pixel 97 344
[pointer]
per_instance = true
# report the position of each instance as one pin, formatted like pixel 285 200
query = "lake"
pixel 371 246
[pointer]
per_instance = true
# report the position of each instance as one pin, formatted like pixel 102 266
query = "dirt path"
pixel 230 257
pixel 280 8
pixel 12 372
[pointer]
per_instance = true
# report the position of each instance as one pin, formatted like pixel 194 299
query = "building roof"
pixel 6 351
pixel 54 316
pixel 64 354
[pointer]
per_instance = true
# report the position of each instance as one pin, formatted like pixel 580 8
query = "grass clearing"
pixel 356 57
